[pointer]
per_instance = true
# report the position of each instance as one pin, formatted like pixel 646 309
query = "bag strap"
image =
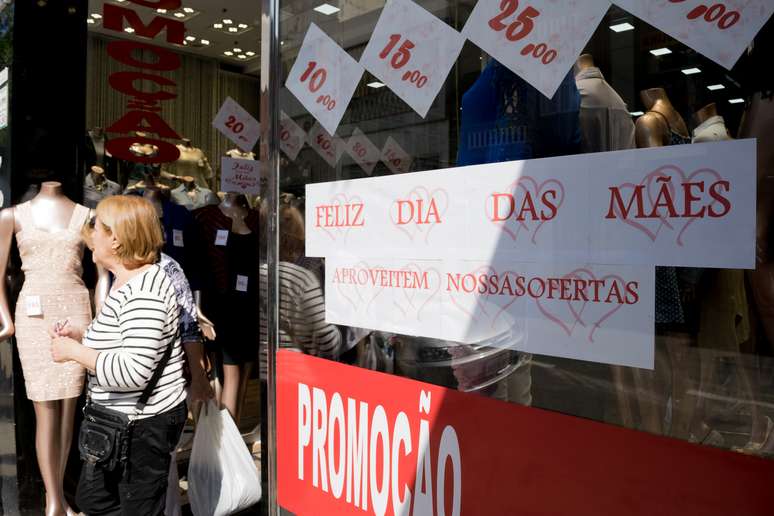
pixel 146 393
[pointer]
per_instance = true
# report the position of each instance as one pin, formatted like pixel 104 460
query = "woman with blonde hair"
pixel 136 404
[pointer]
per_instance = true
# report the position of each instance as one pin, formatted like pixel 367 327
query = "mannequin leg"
pixel 66 438
pixel 48 415
pixel 234 387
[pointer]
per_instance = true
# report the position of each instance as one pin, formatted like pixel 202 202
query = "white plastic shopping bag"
pixel 222 478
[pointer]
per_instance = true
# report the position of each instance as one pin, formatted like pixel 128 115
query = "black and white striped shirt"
pixel 137 323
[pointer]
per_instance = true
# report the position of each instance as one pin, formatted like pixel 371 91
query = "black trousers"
pixel 139 487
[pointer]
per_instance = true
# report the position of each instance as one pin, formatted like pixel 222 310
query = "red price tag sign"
pixel 292 136
pixel 323 78
pixel 719 30
pixel 396 159
pixel 537 39
pixel 328 147
pixel 363 151
pixel 236 124
pixel 412 52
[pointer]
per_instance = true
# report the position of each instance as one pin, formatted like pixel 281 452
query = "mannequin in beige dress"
pixel 47 230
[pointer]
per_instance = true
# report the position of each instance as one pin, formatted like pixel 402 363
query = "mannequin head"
pixel 650 96
pixel 704 113
pixel 584 61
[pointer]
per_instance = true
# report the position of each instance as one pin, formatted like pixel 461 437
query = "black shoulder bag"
pixel 104 437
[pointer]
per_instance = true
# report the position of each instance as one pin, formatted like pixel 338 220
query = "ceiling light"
pixel 89 20
pixel 227 21
pixel 238 50
pixel 233 29
pixel 179 15
pixel 282 43
pixel 660 51
pixel 242 56
pixel 326 9
pixel 690 71
pixel 96 16
pixel 161 11
pixel 218 25
pixel 242 25
pixel 129 30
pixel 713 87
pixel 190 38
pixel 636 113
pixel 205 42
pixel 622 27
pixel 250 53
pixel 188 10
pixel 735 101
pixel 228 53
pixel 375 85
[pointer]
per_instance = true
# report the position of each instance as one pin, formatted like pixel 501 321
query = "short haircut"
pixel 135 224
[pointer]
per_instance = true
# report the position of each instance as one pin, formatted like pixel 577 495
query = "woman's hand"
pixel 64 328
pixel 64 349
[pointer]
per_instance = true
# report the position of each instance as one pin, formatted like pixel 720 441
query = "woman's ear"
pixel 114 243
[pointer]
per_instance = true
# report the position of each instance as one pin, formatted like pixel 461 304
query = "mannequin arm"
pixel 649 131
pixel 7 219
pixel 207 326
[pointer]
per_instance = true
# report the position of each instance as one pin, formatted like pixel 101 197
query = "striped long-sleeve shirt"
pixel 137 323
pixel 302 315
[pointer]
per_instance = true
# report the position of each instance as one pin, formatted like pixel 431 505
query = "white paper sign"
pixel 396 159
pixel 292 136
pixel 718 30
pixel 3 106
pixel 687 205
pixel 412 52
pixel 221 237
pixel 236 124
pixel 328 147
pixel 539 40
pixel 32 306
pixel 323 78
pixel 588 312
pixel 241 283
pixel 177 238
pixel 240 176
pixel 363 151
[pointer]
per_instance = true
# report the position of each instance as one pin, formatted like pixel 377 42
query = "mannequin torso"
pixel 662 124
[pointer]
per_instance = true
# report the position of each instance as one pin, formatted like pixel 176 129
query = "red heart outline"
pixel 481 307
pixel 410 299
pixel 538 189
pixel 358 288
pixel 418 191
pixel 340 199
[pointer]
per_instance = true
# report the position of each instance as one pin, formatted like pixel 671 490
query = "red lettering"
pixel 527 205
pixel 131 121
pixel 553 285
pixel 119 147
pixel 159 4
pixel 409 205
pixel 114 16
pixel 664 199
pixel 122 51
pixel 631 290
pixel 716 195
pixel 542 285
pixel 580 290
pixel 596 283
pixel 124 82
pixel 565 296
pixel 496 206
pixel 689 198
pixel 615 291
pixel 616 200
pixel 552 208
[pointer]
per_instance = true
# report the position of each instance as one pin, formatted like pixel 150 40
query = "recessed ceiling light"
pixel 660 51
pixel 282 43
pixel 250 53
pixel 242 56
pixel 233 29
pixel 622 27
pixel 326 9
pixel 636 113
pixel 179 15
pixel 205 42
pixel 242 25
pixel 375 85
pixel 188 10
pixel 713 87
pixel 190 38
pixel 218 25
pixel 89 20
pixel 227 21
pixel 238 50
pixel 96 16
pixel 228 53
pixel 129 30
pixel 690 71
pixel 735 101
pixel 161 11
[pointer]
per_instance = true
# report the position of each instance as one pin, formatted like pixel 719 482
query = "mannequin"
pixel 192 196
pixel 47 230
pixel 238 154
pixel 604 119
pixel 96 187
pixel 662 125
pixel 230 291
pixel 193 163
pixel 710 127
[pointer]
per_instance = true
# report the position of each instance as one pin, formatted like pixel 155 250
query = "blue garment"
pixel 176 218
pixel 504 119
